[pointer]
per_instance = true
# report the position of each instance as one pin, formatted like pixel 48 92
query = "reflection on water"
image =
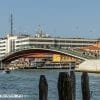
pixel 24 84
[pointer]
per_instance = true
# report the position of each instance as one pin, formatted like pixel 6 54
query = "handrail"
pixel 72 52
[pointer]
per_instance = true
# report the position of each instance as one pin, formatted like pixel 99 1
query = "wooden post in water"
pixel 64 86
pixel 43 88
pixel 85 86
pixel 60 85
pixel 73 80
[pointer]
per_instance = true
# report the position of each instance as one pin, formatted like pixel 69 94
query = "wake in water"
pixel 4 72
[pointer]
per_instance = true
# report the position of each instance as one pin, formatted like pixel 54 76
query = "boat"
pixel 68 65
pixel 7 71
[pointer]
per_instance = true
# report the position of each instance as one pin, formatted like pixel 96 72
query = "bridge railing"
pixel 80 54
pixel 70 51
pixel 75 53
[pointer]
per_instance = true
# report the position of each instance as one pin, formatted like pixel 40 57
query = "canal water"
pixel 23 84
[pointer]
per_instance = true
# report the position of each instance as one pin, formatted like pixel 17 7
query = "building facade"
pixel 13 43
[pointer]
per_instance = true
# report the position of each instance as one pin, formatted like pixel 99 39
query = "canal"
pixel 23 84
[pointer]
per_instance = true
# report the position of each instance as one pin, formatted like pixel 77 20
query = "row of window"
pixel 25 45
pixel 22 41
pixel 55 41
pixel 1 42
pixel 2 53
pixel 2 49
pixel 2 46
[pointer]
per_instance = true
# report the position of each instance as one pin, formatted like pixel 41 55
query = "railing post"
pixel 85 86
pixel 43 88
pixel 64 86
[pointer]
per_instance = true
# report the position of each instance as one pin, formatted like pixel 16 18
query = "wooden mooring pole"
pixel 85 86
pixel 43 88
pixel 73 80
pixel 64 86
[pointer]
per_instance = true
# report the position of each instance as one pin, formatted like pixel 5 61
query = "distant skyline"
pixel 65 18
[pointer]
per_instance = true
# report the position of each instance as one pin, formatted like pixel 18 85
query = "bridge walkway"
pixel 76 53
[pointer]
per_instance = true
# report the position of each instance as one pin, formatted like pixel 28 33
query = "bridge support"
pixel 1 65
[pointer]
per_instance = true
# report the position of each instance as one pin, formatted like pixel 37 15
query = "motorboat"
pixel 7 71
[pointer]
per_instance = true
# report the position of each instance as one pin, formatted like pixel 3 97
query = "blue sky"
pixel 65 18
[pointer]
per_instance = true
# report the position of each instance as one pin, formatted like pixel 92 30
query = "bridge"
pixel 51 55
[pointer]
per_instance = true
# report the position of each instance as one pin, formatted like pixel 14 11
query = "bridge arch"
pixel 29 52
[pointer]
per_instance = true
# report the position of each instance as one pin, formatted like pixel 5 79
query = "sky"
pixel 64 18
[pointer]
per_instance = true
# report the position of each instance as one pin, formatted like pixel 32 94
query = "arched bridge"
pixel 55 55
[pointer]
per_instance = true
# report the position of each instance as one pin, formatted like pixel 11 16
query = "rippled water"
pixel 24 85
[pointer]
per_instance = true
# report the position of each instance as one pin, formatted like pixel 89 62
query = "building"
pixel 13 43
pixel 92 65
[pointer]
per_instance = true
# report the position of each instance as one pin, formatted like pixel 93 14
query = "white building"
pixel 14 42
pixel 90 65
